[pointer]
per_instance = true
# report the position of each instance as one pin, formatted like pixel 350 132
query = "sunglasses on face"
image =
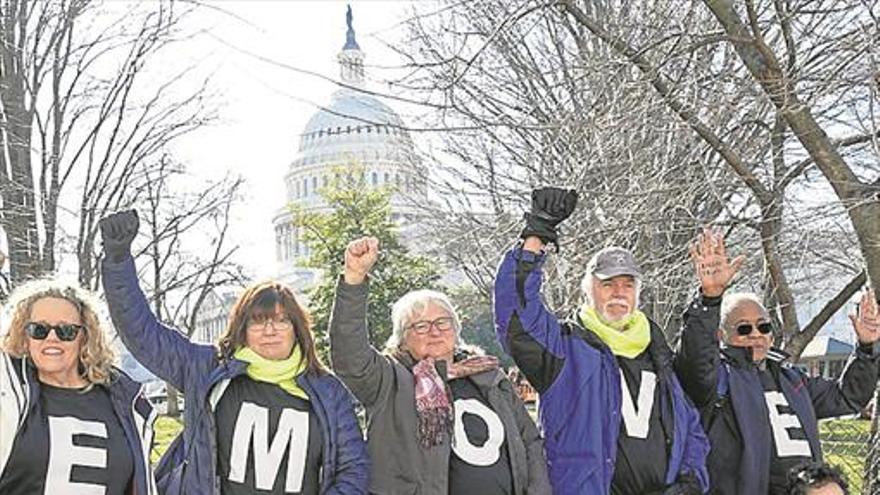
pixel 746 328
pixel 39 331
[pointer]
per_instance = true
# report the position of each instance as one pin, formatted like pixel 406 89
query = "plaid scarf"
pixel 434 398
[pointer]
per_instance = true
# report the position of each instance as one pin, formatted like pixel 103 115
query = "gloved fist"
pixel 550 206
pixel 118 231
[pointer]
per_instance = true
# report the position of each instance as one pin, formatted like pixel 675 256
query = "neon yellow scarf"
pixel 281 372
pixel 627 338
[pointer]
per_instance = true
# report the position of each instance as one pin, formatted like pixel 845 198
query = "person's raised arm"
pixel 357 363
pixel 857 383
pixel 697 359
pixel 164 351
pixel 525 328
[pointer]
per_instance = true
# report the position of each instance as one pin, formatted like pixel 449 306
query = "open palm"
pixel 867 320
pixel 713 268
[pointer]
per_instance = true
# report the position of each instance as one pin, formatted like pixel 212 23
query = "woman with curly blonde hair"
pixel 72 423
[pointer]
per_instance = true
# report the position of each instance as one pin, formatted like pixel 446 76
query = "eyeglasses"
pixel 281 325
pixel 442 324
pixel 66 332
pixel 746 328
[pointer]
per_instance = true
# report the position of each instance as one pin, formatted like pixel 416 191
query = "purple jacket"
pixel 579 382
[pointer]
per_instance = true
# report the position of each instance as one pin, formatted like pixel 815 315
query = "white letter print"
pixel 252 425
pixel 638 421
pixel 487 454
pixel 780 423
pixel 63 455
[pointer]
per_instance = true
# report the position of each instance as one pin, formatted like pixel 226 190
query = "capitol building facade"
pixel 355 132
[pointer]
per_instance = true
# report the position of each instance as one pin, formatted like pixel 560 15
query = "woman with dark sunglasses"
pixel 263 415
pixel 759 412
pixel 70 422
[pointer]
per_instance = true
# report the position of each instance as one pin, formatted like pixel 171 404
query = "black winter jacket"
pixel 725 385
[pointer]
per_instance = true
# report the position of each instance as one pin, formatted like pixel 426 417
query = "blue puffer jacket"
pixel 579 382
pixel 189 466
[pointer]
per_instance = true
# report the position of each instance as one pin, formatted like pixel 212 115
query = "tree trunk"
pixel 19 219
pixel 860 200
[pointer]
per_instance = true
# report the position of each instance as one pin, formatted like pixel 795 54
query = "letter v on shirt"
pixel 637 419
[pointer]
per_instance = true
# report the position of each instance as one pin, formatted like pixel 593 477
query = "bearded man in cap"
pixel 614 416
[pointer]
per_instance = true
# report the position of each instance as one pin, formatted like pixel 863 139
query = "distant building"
pixel 213 315
pixel 825 356
pixel 354 130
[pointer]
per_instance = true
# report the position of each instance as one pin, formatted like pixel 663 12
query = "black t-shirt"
pixel 790 446
pixel 73 445
pixel 480 463
pixel 642 454
pixel 268 441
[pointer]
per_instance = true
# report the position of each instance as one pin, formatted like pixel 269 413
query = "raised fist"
pixel 118 231
pixel 550 206
pixel 360 256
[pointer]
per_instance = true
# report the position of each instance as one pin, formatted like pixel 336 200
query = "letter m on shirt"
pixel 252 428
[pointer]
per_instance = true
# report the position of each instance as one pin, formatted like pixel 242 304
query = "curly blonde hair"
pixel 96 357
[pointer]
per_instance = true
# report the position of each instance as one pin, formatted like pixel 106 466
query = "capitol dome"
pixel 355 129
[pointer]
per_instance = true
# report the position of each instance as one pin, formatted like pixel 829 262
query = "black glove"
pixel 117 231
pixel 550 206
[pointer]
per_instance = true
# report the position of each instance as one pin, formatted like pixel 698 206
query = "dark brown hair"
pixel 258 303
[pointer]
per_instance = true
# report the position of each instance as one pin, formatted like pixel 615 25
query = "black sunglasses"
pixel 39 331
pixel 746 328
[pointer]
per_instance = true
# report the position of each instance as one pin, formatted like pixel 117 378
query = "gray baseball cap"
pixel 612 262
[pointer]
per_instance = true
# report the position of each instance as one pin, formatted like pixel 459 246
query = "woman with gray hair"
pixel 439 420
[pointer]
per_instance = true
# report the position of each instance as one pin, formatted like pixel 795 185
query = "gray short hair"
pixel 413 303
pixel 735 300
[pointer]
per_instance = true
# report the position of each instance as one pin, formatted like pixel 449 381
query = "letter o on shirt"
pixel 488 453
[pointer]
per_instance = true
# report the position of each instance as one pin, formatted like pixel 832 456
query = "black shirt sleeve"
pixel 854 389
pixel 698 358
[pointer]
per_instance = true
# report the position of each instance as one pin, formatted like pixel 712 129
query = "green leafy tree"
pixel 357 210
pixel 477 321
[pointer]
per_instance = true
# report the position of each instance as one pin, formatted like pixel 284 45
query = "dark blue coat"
pixel 189 466
pixel 579 381
pixel 725 385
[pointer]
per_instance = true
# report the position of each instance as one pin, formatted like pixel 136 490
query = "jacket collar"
pixel 483 379
pixel 742 356
pixel 658 349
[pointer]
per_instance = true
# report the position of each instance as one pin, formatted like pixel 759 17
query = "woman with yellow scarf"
pixel 262 414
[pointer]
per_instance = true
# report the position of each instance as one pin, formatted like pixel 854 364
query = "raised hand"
pixel 713 268
pixel 360 256
pixel 866 320
pixel 550 206
pixel 118 231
